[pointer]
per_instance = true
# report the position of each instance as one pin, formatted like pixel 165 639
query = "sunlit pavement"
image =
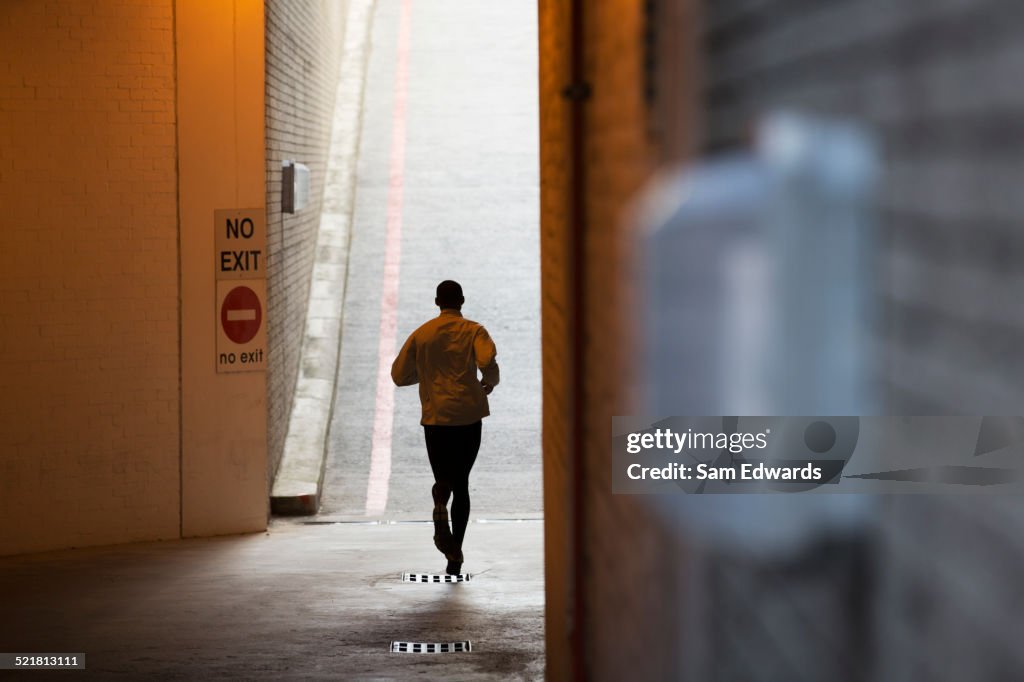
pixel 469 212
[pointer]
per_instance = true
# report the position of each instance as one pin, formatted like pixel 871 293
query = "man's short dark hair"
pixel 449 293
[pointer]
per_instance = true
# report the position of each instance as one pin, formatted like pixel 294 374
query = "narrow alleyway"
pixel 448 181
pixel 455 197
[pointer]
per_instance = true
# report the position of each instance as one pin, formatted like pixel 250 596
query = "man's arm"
pixel 486 354
pixel 403 369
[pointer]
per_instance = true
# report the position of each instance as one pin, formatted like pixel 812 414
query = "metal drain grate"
pixel 430 648
pixel 433 578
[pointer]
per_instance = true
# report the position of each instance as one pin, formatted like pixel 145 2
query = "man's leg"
pixel 465 452
pixel 438 452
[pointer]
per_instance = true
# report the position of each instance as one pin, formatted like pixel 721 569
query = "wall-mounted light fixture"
pixel 294 186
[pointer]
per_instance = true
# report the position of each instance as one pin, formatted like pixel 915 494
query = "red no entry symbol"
pixel 241 314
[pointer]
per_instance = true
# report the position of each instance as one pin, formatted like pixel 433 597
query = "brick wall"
pixel 625 612
pixel 90 255
pixel 555 181
pixel 932 595
pixel 88 274
pixel 938 83
pixel 948 604
pixel 632 564
pixel 303 43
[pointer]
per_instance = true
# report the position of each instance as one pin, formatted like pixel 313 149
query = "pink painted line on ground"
pixel 380 454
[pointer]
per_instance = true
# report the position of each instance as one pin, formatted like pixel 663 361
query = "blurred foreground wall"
pixel 937 83
pixel 608 599
pixel 927 589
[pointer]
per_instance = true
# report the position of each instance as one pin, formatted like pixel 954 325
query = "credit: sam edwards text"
pixel 734 472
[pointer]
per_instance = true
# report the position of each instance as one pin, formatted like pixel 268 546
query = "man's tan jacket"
pixel 443 356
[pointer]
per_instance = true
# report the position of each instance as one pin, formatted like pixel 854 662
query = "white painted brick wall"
pixel 88 274
pixel 304 43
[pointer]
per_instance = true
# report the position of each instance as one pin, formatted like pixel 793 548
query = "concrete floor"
pixel 299 602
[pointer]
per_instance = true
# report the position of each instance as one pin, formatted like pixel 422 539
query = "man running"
pixel 443 356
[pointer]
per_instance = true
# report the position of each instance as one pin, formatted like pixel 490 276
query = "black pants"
pixel 452 451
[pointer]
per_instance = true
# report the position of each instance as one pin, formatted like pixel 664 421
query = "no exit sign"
pixel 240 240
